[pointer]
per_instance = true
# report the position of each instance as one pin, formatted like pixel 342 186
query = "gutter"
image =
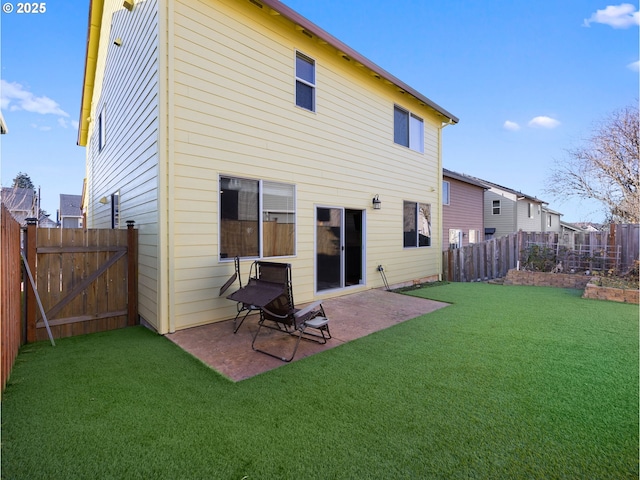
pixel 96 8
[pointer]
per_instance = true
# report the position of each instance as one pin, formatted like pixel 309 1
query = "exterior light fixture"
pixel 376 203
pixel 128 4
pixel 118 42
pixel 104 200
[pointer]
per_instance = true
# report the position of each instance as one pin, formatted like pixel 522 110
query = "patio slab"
pixel 351 316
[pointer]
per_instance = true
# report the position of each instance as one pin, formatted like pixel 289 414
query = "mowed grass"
pixel 507 382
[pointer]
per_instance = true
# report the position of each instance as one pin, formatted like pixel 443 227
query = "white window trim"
pixel 412 140
pixel 446 201
pixel 260 218
pixel 102 129
pixel 313 85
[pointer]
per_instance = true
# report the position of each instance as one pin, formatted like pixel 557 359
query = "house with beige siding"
pixel 229 128
pixel 462 210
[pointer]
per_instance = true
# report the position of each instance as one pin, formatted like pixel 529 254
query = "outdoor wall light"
pixel 104 200
pixel 376 203
pixel 128 4
pixel 118 42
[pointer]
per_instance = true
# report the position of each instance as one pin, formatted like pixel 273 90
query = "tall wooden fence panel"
pixel 493 258
pixel 86 280
pixel 10 295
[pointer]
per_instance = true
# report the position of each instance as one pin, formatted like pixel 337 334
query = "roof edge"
pixel 312 28
pixel 96 8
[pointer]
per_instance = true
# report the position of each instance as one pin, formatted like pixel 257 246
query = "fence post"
pixel 30 300
pixel 132 273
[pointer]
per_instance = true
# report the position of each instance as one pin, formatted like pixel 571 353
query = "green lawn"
pixel 508 382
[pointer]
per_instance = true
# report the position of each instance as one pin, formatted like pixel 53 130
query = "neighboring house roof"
pixel 21 202
pixel 45 222
pixel 517 193
pixel 570 226
pixel 548 210
pixel 18 199
pixel 463 178
pixel 70 205
pixel 277 8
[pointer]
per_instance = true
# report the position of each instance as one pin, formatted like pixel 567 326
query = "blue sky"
pixel 528 80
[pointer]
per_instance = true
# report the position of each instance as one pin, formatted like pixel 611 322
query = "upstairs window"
pixel 408 129
pixel 495 209
pixel 102 130
pixel 445 193
pixel 305 82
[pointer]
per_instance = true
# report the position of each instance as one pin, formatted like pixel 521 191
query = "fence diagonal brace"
pixel 75 291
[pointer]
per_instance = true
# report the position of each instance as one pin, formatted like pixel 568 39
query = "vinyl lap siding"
pixel 127 93
pixel 464 212
pixel 505 223
pixel 235 114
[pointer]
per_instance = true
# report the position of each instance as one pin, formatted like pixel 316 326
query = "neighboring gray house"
pixel 21 202
pixel 70 213
pixel 507 211
pixel 551 221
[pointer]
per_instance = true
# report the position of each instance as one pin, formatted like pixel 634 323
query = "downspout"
pixel 439 190
pixel 166 248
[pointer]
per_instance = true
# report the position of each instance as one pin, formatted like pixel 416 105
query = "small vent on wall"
pixel 257 4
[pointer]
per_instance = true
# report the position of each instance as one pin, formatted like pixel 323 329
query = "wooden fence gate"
pixel 86 280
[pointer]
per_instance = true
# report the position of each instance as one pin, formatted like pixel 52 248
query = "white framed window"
pixel 102 129
pixel 530 210
pixel 416 224
pixel 474 235
pixel 408 129
pixel 115 210
pixel 305 82
pixel 495 207
pixel 257 218
pixel 455 238
pixel 548 220
pixel 445 193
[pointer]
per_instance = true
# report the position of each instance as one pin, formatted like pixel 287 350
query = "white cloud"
pixel 509 125
pixel 14 96
pixel 544 122
pixel 634 66
pixel 42 128
pixel 616 16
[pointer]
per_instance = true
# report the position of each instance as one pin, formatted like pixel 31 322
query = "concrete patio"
pixel 351 316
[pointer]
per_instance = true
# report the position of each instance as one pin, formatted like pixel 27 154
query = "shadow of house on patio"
pixel 351 317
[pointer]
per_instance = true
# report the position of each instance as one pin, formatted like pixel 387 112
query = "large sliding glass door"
pixel 339 248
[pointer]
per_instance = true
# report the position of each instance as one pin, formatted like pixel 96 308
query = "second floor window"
pixel 102 130
pixel 445 193
pixel 305 82
pixel 496 207
pixel 408 129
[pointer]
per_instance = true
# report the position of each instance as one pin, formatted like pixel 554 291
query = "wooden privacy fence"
pixel 494 258
pixel 11 331
pixel 86 280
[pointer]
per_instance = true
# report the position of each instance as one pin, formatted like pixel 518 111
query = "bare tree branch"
pixel 605 169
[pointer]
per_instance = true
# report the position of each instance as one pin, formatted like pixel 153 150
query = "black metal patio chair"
pixel 280 314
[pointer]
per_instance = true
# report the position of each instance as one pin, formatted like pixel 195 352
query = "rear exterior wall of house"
pixel 226 113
